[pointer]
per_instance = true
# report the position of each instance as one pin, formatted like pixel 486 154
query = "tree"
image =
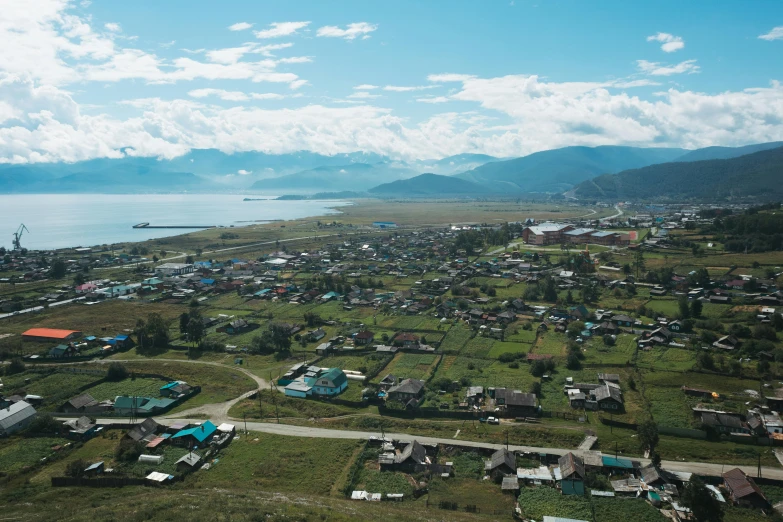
pixel 535 388
pixel 195 330
pixel 157 330
pixel 75 468
pixel 573 362
pixel 538 368
pixel 648 435
pixel 58 269
pixel 762 366
pixel 78 279
pixel 685 311
pixel 16 366
pixel 764 331
pixel 703 505
pixel 116 372
pixel 184 319
pixel 696 308
pixel 140 331
pixel 575 328
pixel 609 340
pixel 189 260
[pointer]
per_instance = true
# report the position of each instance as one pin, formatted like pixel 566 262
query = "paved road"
pixel 618 214
pixel 700 468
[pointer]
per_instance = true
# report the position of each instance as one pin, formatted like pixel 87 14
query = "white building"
pixel 172 269
pixel 16 417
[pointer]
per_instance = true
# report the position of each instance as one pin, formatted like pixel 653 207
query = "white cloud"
pixel 364 95
pixel 243 172
pixel 39 123
pixel 365 87
pixel 240 26
pixel 400 88
pixel 351 31
pixel 167 45
pixel 234 95
pixel 296 59
pixel 278 29
pixel 296 84
pixel 434 99
pixel 670 43
pixel 266 50
pixel 113 27
pixel 775 34
pixel 657 69
pixel 449 77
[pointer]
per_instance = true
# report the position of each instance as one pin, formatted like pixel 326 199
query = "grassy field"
pixel 139 387
pixel 303 465
pixel 18 453
pixel 410 366
pixel 484 494
pixel 268 406
pixel 538 502
pixel 55 387
pixel 218 384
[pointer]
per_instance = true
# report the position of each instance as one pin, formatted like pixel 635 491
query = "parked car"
pixel 493 420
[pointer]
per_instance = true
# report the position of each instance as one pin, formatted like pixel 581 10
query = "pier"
pixel 147 225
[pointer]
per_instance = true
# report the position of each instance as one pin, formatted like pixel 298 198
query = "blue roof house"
pixel 331 382
pixel 196 435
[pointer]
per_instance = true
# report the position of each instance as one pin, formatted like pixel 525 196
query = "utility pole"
pixel 244 416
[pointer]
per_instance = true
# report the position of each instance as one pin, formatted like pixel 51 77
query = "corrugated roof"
pixel 14 414
pixel 740 484
pixel 50 333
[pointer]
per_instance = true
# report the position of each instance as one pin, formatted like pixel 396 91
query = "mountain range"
pixel 209 170
pixel 757 175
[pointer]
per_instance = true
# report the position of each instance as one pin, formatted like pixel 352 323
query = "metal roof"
pixel 14 414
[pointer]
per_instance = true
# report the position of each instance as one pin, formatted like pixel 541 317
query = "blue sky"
pixel 84 79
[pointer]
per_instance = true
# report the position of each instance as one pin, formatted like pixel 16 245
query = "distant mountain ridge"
pixel 560 169
pixel 430 185
pixel 757 175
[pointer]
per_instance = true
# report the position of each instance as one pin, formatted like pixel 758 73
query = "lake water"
pixel 69 220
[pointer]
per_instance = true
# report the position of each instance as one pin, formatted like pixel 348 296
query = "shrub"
pixel 76 468
pixel 117 372
pixel 16 366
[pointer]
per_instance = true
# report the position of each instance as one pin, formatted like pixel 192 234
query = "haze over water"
pixel 69 220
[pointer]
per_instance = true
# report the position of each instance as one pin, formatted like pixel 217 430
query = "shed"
pixel 16 417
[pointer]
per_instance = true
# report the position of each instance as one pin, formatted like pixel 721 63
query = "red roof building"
pixel 50 335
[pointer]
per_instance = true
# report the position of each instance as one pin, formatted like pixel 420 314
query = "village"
pixel 497 367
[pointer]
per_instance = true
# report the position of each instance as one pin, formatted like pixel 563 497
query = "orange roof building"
pixel 50 335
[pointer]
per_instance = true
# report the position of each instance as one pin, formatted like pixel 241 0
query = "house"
pixel 63 350
pixel 47 335
pixel 412 457
pixel 501 463
pixel 723 423
pixel 195 436
pixel 78 404
pixel 79 428
pixel 145 431
pixel 515 402
pixel 387 382
pixel 572 474
pixel 623 320
pixel 743 489
pixel 124 405
pixel 652 476
pixel 16 417
pixel 316 335
pixel 174 269
pixel 578 313
pixel 94 469
pixel 675 326
pixel 331 382
pixel 405 339
pixel 235 327
pixel 407 392
pixel 190 462
pixel 364 338
pixel 609 397
pixel 175 389
pixel 727 342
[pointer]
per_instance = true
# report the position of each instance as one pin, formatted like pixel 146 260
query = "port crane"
pixel 18 236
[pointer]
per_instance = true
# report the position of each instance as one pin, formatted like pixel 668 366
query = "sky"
pixel 410 80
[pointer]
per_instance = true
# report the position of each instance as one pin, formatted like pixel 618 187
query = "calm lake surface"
pixel 69 220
